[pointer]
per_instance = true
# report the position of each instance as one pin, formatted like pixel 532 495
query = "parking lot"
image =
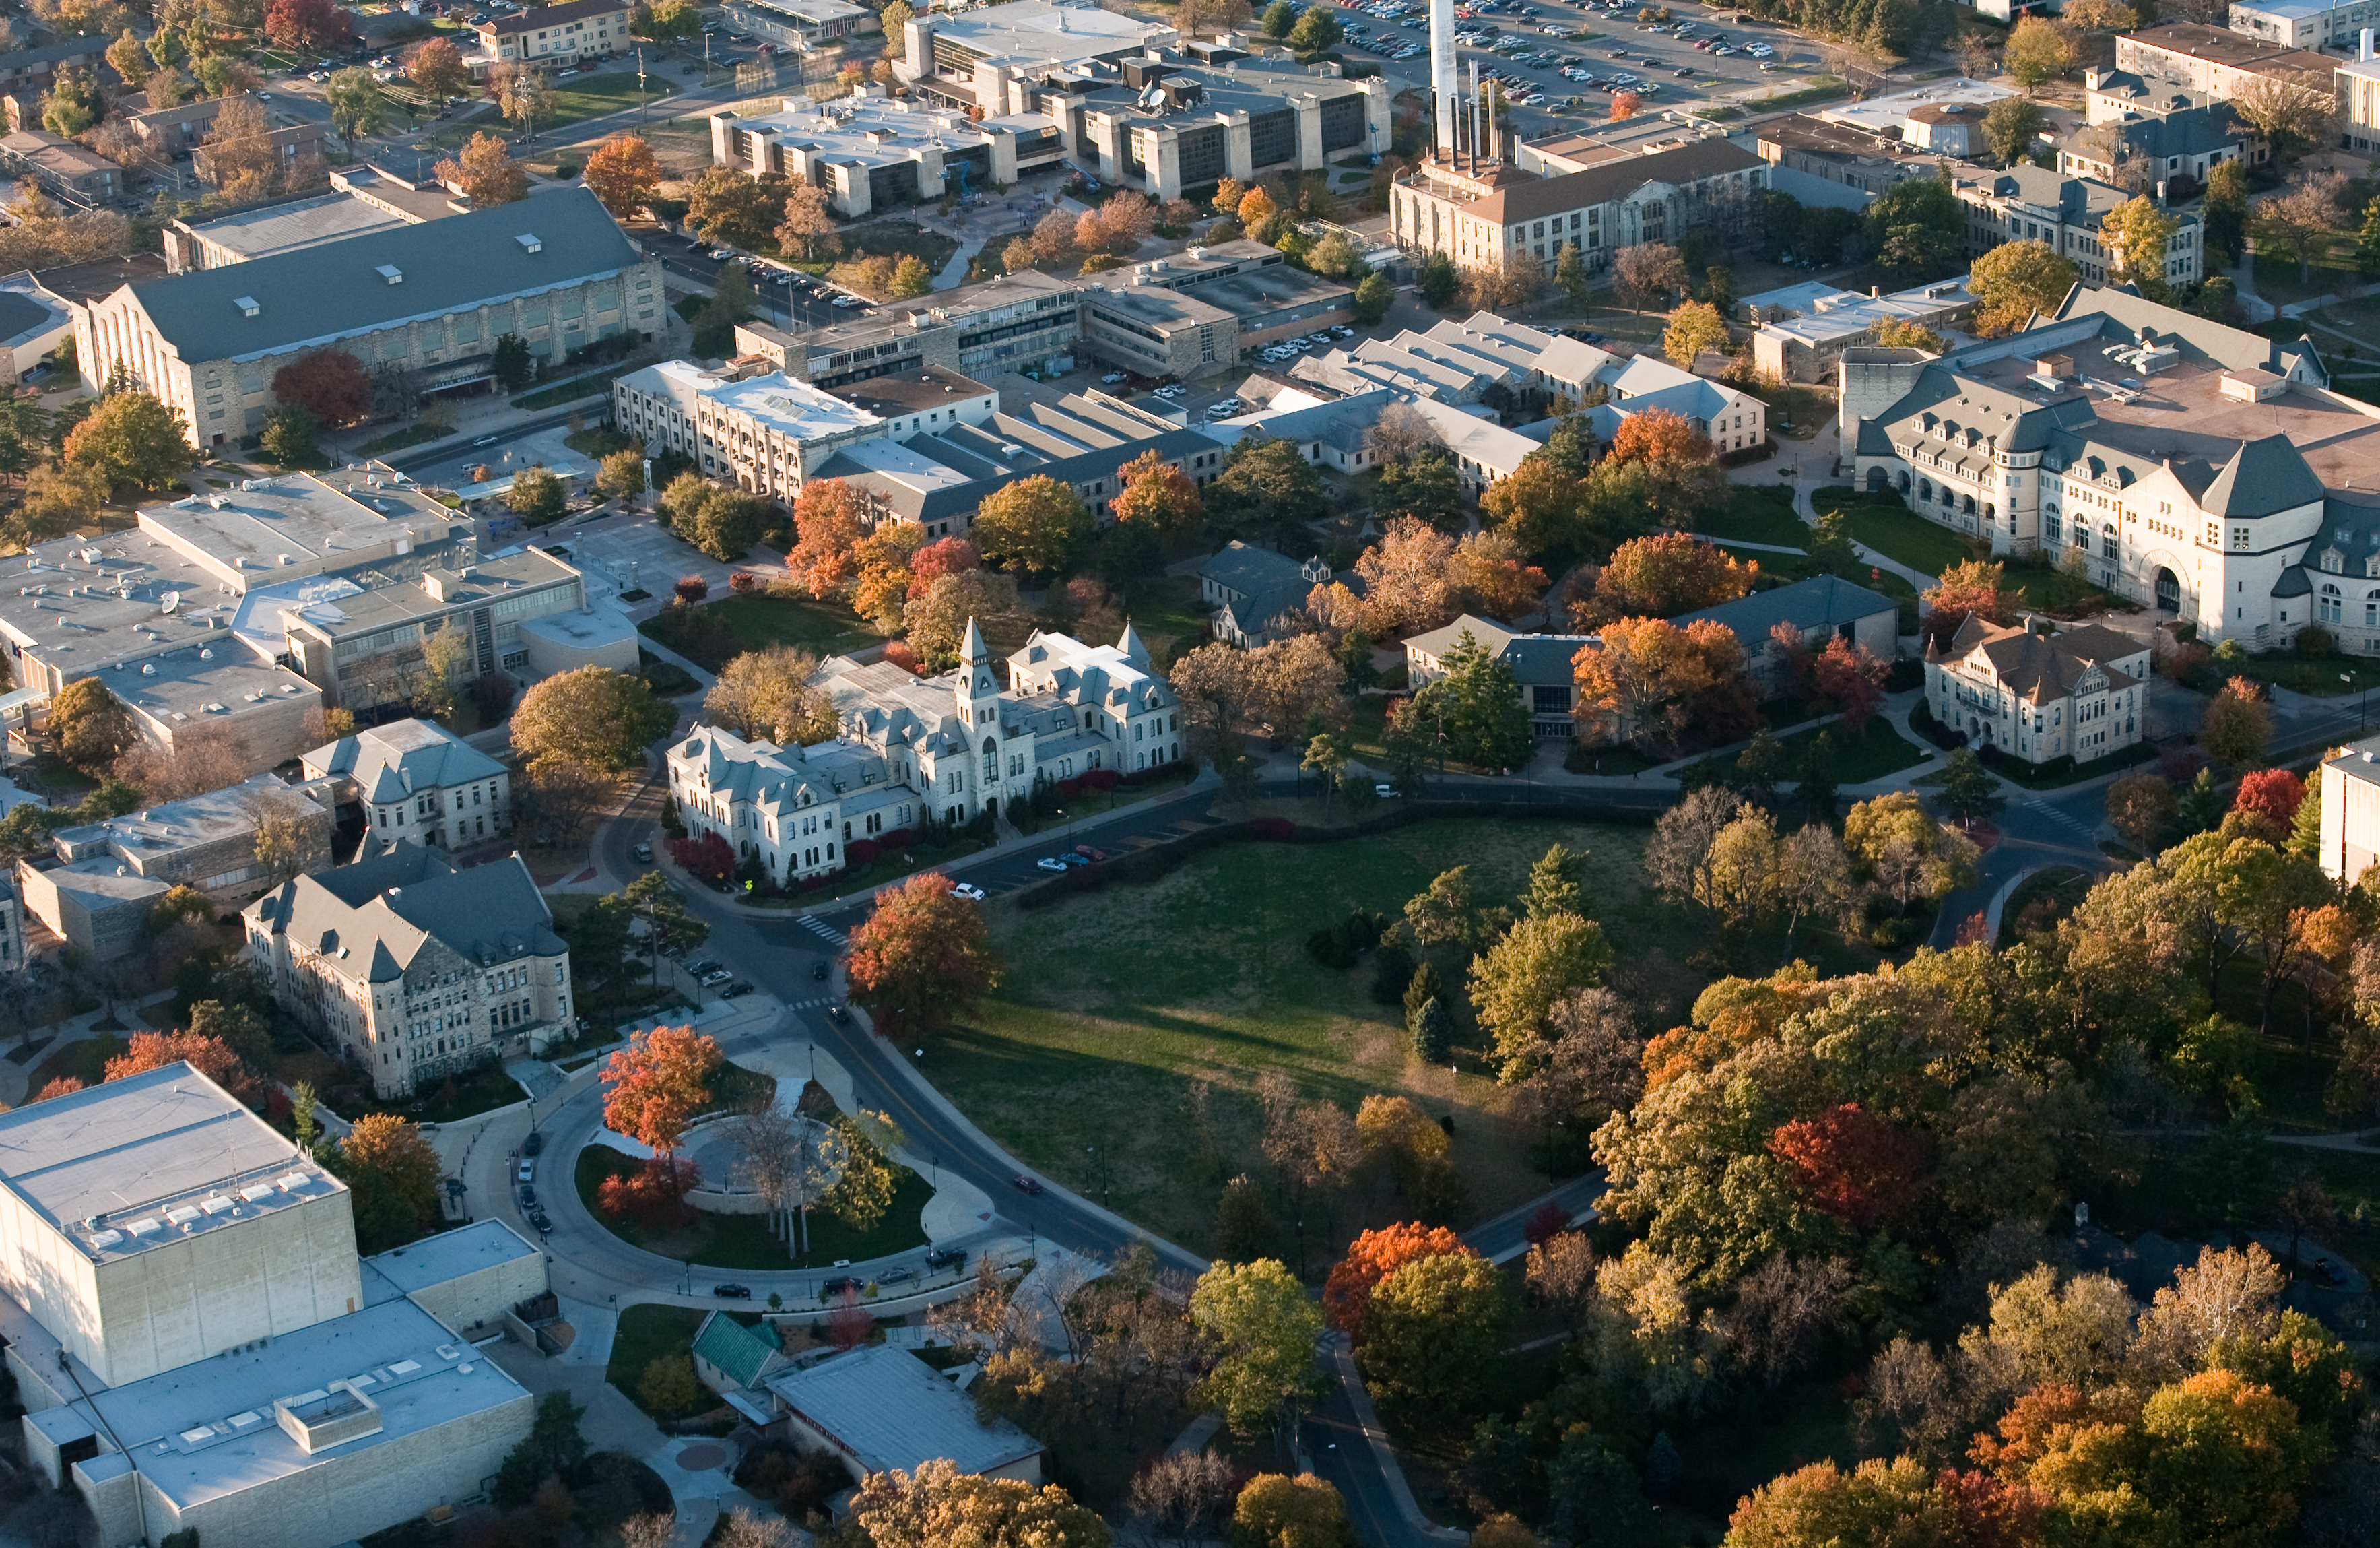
pixel 1547 55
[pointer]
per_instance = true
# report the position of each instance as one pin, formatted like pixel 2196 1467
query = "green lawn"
pixel 742 1242
pixel 1755 515
pixel 2328 677
pixel 1876 753
pixel 2059 594
pixel 1902 534
pixel 1201 980
pixel 397 440
pixel 760 621
pixel 580 97
pixel 648 1333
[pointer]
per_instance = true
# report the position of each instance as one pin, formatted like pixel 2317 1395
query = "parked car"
pixel 528 1171
pixel 535 1143
pixel 735 991
pixel 1051 862
pixel 541 1221
pixel 1073 859
pixel 1088 853
pixel 1112 377
pixel 896 1276
pixel 838 1284
pixel 945 1257
pixel 819 970
pixel 731 1292
pixel 715 977
pixel 1024 1184
pixel 527 1197
pixel 967 890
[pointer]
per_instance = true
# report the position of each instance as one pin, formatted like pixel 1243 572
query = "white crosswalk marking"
pixel 825 930
pixel 2062 818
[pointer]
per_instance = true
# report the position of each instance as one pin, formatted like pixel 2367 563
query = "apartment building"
pixel 557 34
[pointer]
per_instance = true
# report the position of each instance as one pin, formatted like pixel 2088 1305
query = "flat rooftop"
pixel 266 528
pixel 207 1430
pixel 1037 33
pixel 910 392
pixel 888 1408
pixel 199 682
pixel 1167 310
pixel 1876 114
pixel 183 824
pixel 325 217
pixel 872 131
pixel 446 1257
pixel 792 409
pixel 136 1153
pixel 382 605
pixel 2181 412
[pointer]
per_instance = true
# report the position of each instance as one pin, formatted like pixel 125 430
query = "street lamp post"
pixel 2362 702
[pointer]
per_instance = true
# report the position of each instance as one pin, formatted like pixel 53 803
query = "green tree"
pixel 1432 1027
pixel 1266 482
pixel 621 475
pixel 864 1192
pixel 1431 1335
pixel 2136 234
pixel 1259 1328
pixel 1374 295
pixel 1280 20
pixel 2236 725
pixel 1553 884
pixel 1424 484
pixel 724 522
pixel 1036 524
pixel 1477 706
pixel 89 726
pixel 1516 983
pixel 1316 29
pixel 2037 53
pixel 1917 231
pixel 536 495
pixel 2010 125
pixel 515 367
pixel 2224 213
pixel 554 1445
pixel 74 103
pixel 291 437
pixel 132 439
pixel 393 1173
pixel 2015 280
pixel 359 105
pixel 1968 791
pixel 1438 280
pixel 1572 276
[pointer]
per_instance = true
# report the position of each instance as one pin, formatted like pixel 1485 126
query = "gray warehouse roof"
pixel 884 1408
pixel 440 1259
pixel 336 288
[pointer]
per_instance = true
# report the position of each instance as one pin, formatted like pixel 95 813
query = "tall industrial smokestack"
pixel 1445 76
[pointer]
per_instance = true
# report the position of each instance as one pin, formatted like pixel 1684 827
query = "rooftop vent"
pixel 390 273
pixel 246 304
pixel 529 242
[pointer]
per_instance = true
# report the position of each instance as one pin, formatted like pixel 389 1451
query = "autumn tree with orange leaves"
pixel 1371 1258
pixel 658 1083
pixel 1659 682
pixel 394 1174
pixel 1490 574
pixel 1662 575
pixel 1862 1169
pixel 921 956
pixel 829 520
pixel 1158 495
pixel 211 1056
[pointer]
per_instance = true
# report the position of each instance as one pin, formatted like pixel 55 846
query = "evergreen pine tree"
pixel 1433 1031
pixel 2305 829
pixel 2367 242
pixel 1662 1465
pixel 1420 992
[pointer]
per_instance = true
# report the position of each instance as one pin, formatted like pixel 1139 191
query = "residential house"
pixel 1541 666
pixel 1257 593
pixel 1819 610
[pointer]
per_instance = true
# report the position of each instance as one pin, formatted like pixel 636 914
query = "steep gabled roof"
pixel 2266 477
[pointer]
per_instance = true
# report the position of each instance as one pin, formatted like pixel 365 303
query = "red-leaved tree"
pixel 848 1325
pixel 2270 793
pixel 653 1195
pixel 331 384
pixel 708 857
pixel 935 560
pixel 211 1056
pixel 1857 1167
pixel 923 954
pixel 312 26
pixel 1850 678
pixel 1371 1258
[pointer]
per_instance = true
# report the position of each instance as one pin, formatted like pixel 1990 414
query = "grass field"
pixel 1878 752
pixel 1904 535
pixel 2041 900
pixel 2323 676
pixel 572 390
pixel 577 98
pixel 397 440
pixel 648 1333
pixel 1754 516
pixel 762 621
pixel 1202 978
pixel 742 1242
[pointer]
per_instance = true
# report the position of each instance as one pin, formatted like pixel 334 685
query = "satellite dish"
pixel 1152 95
pixel 173 600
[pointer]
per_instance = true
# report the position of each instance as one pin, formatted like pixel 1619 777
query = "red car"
pixel 1090 854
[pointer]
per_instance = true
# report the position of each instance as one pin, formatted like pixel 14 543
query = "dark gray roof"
pixel 2267 476
pixel 2190 132
pixel 1820 602
pixel 2293 582
pixel 335 289
pixel 960 500
pixel 77 47
pixel 406 895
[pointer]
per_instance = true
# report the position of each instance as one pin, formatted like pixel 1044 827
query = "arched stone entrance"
pixel 2168 590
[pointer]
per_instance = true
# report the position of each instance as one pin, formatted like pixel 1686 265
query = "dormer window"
pixel 2332 562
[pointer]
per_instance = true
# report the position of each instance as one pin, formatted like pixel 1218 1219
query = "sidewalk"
pixel 16 1078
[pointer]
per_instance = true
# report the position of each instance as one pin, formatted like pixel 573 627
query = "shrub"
pixel 653 1195
pixel 708 857
pixel 1273 827
pixel 860 852
pixel 1392 968
pixel 668 1387
pixel 2315 642
pixel 691 587
pixel 1102 779
pixel 904 655
pixel 899 838
pixel 743 582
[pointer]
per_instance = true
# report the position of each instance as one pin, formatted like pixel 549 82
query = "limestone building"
pixel 2350 810
pixel 1482 211
pixel 1015 321
pixel 431 300
pixel 2195 468
pixel 557 34
pixel 993 58
pixel 868 151
pixel 2026 204
pixel 200 1349
pixel 2079 693
pixel 416 780
pixel 940 749
pixel 411 969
